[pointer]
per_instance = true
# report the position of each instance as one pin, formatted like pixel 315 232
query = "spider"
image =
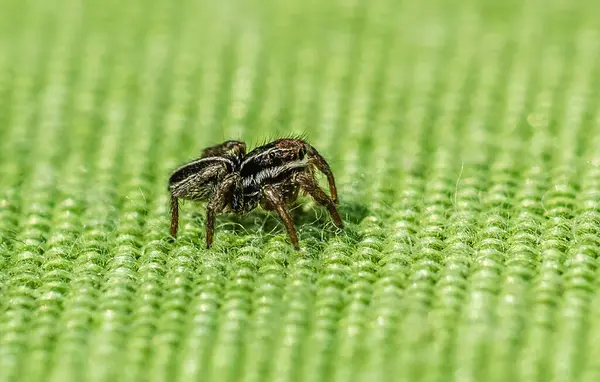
pixel 272 175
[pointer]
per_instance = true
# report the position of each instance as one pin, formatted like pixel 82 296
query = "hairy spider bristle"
pixel 302 136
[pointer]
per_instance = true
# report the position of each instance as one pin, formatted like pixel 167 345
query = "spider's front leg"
pixel 275 201
pixel 323 166
pixel 218 201
pixel 309 185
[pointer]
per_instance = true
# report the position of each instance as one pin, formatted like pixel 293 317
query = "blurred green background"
pixel 465 141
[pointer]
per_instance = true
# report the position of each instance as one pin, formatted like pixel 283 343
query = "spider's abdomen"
pixel 197 180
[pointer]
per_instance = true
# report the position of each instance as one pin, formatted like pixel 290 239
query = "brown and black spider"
pixel 271 176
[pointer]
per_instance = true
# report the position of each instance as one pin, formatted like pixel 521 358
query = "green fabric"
pixel 465 140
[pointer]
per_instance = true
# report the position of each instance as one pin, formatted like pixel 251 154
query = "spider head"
pixel 290 149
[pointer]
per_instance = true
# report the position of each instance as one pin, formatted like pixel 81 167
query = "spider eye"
pixel 302 152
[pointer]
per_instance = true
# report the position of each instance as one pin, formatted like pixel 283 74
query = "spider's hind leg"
pixel 220 198
pixel 174 215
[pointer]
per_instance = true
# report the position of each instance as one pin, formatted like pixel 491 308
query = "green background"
pixel 465 139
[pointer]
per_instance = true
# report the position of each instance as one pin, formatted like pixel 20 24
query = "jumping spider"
pixel 271 176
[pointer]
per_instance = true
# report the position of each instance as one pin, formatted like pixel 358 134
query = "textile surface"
pixel 465 141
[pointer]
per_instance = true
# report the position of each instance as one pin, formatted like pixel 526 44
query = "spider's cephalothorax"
pixel 270 176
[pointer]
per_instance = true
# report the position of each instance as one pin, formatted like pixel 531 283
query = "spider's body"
pixel 270 176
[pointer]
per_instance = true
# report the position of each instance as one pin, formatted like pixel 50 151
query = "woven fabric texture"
pixel 465 140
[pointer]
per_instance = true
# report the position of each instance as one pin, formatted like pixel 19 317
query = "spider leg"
pixel 309 185
pixel 323 166
pixel 174 215
pixel 210 224
pixel 217 203
pixel 275 201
